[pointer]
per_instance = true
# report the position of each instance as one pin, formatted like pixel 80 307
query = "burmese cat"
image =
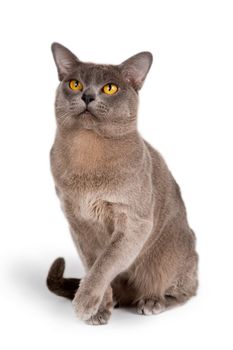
pixel 124 208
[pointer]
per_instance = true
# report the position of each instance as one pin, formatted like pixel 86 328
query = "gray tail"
pixel 57 284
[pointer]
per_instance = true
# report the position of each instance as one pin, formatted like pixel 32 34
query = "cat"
pixel 124 208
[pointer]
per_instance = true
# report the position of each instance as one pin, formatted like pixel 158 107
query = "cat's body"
pixel 123 206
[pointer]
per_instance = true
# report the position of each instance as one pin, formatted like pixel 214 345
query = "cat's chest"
pixel 83 164
pixel 87 152
pixel 90 173
pixel 82 194
pixel 92 207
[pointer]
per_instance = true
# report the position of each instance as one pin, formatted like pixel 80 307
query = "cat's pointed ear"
pixel 65 60
pixel 136 68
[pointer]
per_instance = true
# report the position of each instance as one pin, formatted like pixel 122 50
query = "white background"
pixel 186 112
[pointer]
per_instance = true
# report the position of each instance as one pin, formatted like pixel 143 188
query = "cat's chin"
pixel 86 120
pixel 86 115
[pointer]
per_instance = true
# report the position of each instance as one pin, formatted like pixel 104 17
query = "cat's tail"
pixel 57 284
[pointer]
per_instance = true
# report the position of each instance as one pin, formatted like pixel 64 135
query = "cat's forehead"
pixel 97 74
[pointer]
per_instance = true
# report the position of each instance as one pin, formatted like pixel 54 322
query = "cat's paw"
pixel 150 306
pixel 100 318
pixel 86 305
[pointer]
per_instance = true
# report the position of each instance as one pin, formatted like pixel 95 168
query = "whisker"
pixel 66 116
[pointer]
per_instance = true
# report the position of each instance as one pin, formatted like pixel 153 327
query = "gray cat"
pixel 124 208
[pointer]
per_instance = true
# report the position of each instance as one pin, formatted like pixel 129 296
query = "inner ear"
pixel 135 69
pixel 65 60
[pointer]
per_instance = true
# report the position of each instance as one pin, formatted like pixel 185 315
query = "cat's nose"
pixel 87 98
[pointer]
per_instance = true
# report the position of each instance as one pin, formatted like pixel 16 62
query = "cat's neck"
pixel 106 129
pixel 88 150
pixel 97 134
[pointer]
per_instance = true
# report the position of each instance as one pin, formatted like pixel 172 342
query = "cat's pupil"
pixel 109 87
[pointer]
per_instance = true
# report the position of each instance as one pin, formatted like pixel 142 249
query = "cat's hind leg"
pixel 182 291
pixel 154 305
pixel 177 294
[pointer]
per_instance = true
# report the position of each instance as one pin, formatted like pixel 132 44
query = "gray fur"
pixel 124 208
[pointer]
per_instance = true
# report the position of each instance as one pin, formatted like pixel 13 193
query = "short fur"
pixel 124 208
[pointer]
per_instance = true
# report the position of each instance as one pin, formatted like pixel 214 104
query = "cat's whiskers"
pixel 63 117
pixel 66 118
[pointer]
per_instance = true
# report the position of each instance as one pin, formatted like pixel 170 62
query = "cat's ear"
pixel 65 60
pixel 136 68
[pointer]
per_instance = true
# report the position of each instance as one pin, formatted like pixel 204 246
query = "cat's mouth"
pixel 87 114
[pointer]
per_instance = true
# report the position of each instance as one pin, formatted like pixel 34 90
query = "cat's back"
pixel 165 187
pixel 161 174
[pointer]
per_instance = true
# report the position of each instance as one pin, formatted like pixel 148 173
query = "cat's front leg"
pixel 129 236
pixel 104 311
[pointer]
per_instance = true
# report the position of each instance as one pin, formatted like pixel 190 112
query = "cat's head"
pixel 100 97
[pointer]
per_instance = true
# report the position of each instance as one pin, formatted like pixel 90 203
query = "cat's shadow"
pixel 28 279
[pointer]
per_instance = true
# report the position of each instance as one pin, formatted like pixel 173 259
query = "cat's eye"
pixel 75 85
pixel 110 89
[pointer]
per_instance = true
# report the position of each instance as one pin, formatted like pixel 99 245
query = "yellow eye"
pixel 110 89
pixel 75 85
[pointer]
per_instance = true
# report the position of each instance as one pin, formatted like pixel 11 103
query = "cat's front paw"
pixel 150 306
pixel 100 318
pixel 86 304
